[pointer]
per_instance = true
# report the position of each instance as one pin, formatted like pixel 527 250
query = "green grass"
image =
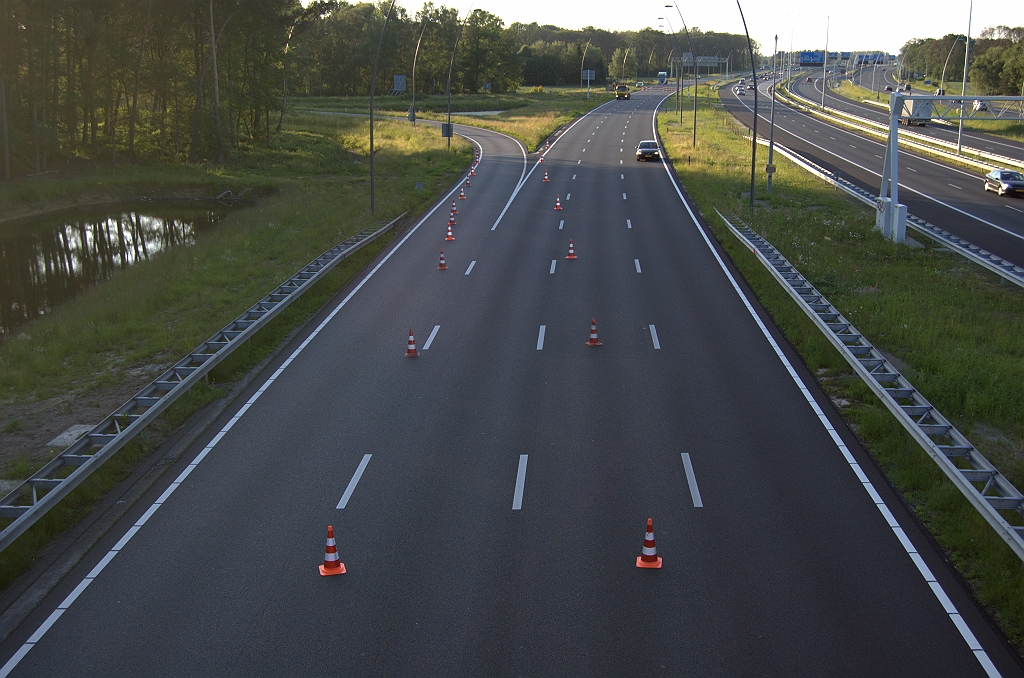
pixel 527 115
pixel 953 328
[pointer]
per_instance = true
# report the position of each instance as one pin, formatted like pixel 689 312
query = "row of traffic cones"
pixel 648 558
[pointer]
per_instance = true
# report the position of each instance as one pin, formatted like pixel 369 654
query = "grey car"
pixel 648 150
pixel 1005 182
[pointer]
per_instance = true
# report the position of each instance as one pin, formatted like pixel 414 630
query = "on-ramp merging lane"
pixel 495 526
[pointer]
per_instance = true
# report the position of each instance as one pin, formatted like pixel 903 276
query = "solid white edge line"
pixel 355 481
pixel 654 338
pixel 17 657
pixel 430 339
pixel 540 337
pixel 471 265
pixel 691 480
pixel 45 626
pixel 926 573
pixel 517 499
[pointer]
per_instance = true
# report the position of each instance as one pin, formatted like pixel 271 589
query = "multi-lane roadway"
pixel 949 197
pixel 489 497
pixel 944 131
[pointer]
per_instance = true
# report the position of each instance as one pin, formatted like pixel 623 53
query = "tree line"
pixel 995 65
pixel 190 80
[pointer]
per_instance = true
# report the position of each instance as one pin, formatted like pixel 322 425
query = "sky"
pixel 852 26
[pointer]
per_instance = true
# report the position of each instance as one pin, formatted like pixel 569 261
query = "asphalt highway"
pixel 946 132
pixel 489 497
pixel 948 197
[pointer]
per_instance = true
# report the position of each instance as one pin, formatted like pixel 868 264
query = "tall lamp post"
pixel 448 86
pixel 963 90
pixel 583 63
pixel 694 57
pixel 753 139
pixel 416 54
pixel 942 80
pixel 824 65
pixel 373 80
pixel 771 133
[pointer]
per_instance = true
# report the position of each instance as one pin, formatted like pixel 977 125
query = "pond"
pixel 46 261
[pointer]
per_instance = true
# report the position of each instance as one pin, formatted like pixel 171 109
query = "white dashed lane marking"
pixel 629 224
pixel 540 335
pixel 636 262
pixel 430 339
pixel 654 338
pixel 471 265
pixel 552 271
pixel 691 480
pixel 355 481
pixel 517 498
pixel 560 224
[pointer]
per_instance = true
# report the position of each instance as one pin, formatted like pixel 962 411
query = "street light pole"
pixel 583 63
pixel 824 65
pixel 942 80
pixel 693 56
pixel 448 86
pixel 771 133
pixel 416 54
pixel 753 139
pixel 963 90
pixel 373 80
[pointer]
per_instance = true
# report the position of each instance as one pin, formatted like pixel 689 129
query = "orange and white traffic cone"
pixel 541 159
pixel 450 236
pixel 546 180
pixel 572 253
pixel 472 170
pixel 442 266
pixel 411 352
pixel 546 145
pixel 558 202
pixel 454 211
pixel 462 194
pixel 332 564
pixel 650 558
pixel 593 334
pixel 467 181
pixel 451 219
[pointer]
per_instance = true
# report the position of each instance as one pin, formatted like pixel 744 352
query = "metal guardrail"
pixel 909 138
pixel 985 487
pixel 28 502
pixel 964 248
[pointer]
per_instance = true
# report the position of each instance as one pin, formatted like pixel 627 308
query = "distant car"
pixel 742 81
pixel 621 92
pixel 750 87
pixel 939 92
pixel 740 92
pixel 810 79
pixel 647 150
pixel 979 105
pixel 906 88
pixel 1005 182
pixel 639 85
pixel 888 88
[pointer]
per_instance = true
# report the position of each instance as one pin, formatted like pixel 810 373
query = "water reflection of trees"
pixel 44 267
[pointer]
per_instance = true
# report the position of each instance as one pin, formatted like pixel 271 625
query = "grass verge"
pixel 952 328
pixel 530 116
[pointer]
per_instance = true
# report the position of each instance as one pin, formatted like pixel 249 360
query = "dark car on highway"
pixel 647 150
pixel 1005 182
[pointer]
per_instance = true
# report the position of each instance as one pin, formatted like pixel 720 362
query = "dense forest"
pixel 188 80
pixel 995 67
